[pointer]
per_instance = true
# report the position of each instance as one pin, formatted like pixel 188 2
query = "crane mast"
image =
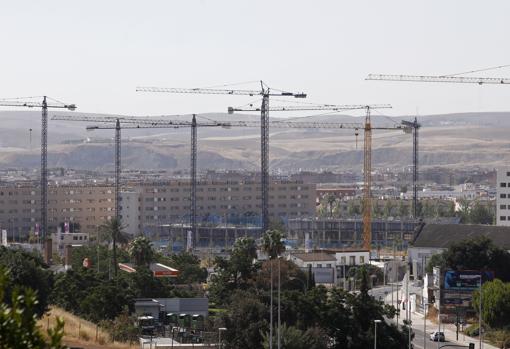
pixel 367 183
pixel 194 180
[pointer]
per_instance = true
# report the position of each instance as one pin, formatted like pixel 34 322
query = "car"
pixel 437 336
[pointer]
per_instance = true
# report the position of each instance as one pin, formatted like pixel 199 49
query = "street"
pixel 384 293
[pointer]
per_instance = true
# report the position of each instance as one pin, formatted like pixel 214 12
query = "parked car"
pixel 437 336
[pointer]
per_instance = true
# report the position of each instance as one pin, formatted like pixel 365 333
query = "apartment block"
pixel 20 210
pixel 218 202
pixel 503 197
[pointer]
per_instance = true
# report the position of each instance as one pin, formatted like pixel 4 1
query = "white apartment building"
pixel 503 197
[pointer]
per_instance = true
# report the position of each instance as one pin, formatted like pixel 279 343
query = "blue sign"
pixel 465 279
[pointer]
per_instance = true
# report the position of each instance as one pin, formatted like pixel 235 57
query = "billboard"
pixel 465 280
pixel 457 299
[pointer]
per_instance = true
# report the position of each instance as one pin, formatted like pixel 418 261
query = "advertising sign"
pixel 436 277
pixel 466 279
pixel 456 298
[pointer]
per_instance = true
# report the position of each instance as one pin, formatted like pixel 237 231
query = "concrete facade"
pixel 90 206
pixel 503 197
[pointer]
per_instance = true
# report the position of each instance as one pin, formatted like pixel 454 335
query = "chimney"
pixel 48 251
pixel 68 252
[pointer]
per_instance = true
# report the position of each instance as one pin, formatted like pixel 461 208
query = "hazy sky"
pixel 94 53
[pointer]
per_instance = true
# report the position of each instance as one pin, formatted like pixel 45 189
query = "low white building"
pixel 327 264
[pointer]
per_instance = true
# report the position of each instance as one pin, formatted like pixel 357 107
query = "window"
pixel 502 207
pixel 502 196
pixel 328 265
pixel 342 260
pixel 361 259
pixel 502 218
pixel 319 265
pixel 502 185
pixel 352 260
pixel 508 174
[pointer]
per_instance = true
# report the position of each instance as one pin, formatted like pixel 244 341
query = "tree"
pixel 403 209
pixel 353 209
pixel 188 265
pixel 496 303
pixel 464 210
pixel 140 250
pixel 113 231
pixel 26 270
pixel 245 321
pixel 105 301
pixel 294 338
pixel 73 286
pixel 480 214
pixel 331 201
pixel 19 328
pixel 272 243
pixel 388 208
pixel 242 259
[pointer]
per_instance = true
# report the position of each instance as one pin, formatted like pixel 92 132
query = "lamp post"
pixel 279 288
pixel 425 307
pixel 375 332
pixel 221 329
pixel 480 315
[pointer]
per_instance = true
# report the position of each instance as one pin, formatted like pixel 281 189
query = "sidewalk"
pixel 448 329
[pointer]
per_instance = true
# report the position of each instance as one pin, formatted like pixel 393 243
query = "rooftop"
pixel 444 235
pixel 314 256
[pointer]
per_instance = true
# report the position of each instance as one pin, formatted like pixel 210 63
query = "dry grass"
pixel 79 332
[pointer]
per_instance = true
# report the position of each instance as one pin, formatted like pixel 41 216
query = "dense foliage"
pixel 29 271
pixel 312 317
pixel 18 320
pixel 496 303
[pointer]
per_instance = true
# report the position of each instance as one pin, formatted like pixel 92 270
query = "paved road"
pixel 418 326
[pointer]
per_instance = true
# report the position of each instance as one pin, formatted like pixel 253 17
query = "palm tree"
pixel 113 231
pixel 272 243
pixel 141 251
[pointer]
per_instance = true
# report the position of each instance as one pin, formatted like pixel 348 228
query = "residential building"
pixel 88 205
pixel 503 197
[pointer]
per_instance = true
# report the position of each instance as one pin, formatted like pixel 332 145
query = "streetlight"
pixel 480 314
pixel 425 307
pixel 279 288
pixel 221 329
pixel 375 332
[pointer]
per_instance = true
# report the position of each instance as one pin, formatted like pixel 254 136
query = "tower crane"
pixel 452 78
pixel 114 122
pixel 45 104
pixel 137 122
pixel 265 92
pixel 367 155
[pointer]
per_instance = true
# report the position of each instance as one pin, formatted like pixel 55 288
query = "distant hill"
pixel 450 140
